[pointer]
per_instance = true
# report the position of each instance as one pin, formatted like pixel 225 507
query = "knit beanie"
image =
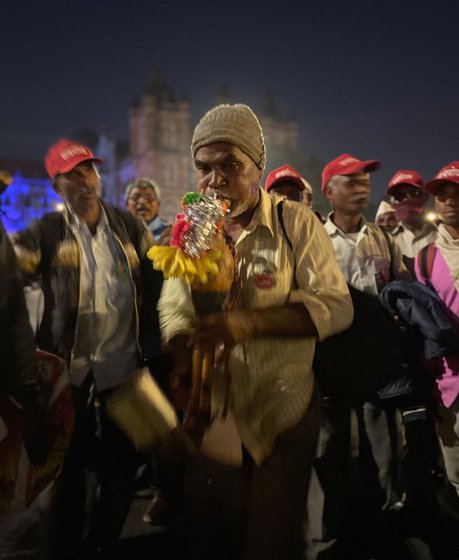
pixel 233 124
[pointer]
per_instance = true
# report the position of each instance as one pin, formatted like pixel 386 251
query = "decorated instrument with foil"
pixel 201 256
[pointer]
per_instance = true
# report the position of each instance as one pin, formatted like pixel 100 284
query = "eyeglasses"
pixel 413 193
pixel 147 197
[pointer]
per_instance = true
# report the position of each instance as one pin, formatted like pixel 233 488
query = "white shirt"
pixel 364 257
pixel 105 335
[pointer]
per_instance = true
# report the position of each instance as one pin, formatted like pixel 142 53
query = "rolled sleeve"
pixel 175 309
pixel 27 248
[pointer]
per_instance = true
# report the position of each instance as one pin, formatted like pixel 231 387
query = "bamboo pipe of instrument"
pixel 196 367
pixel 206 372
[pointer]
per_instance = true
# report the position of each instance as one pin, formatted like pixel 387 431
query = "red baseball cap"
pixel 284 173
pixel 64 155
pixel 346 164
pixel 405 177
pixel 449 174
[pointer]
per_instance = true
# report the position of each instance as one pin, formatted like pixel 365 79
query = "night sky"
pixel 377 79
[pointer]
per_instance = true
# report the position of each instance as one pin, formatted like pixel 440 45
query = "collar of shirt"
pixel 427 228
pixel 262 216
pixel 332 229
pixel 156 223
pixel 80 226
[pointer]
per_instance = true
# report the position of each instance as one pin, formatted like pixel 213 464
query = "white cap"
pixel 384 208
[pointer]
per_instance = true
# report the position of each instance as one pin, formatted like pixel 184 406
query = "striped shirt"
pixel 272 379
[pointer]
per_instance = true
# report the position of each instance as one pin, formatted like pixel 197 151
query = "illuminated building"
pixel 29 196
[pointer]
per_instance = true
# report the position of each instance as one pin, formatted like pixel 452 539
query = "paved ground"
pixel 139 540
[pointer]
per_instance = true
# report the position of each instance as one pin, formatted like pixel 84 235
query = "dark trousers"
pixel 335 501
pixel 252 512
pixel 420 469
pixel 82 522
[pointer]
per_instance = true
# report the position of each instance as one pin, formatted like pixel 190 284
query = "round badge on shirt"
pixel 265 280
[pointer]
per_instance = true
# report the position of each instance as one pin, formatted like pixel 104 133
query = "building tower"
pixel 160 136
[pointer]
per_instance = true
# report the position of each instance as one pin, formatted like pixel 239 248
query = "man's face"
pixel 228 171
pixel 408 202
pixel 349 193
pixel 387 221
pixel 447 204
pixel 287 189
pixel 142 202
pixel 80 187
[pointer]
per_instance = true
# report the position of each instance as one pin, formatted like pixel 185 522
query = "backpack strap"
pixel 426 258
pixel 280 216
pixel 389 242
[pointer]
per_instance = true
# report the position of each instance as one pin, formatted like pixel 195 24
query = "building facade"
pixel 160 130
pixel 29 196
pixel 160 137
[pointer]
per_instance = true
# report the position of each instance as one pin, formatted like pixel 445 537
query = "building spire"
pixel 158 87
pixel 223 95
pixel 269 108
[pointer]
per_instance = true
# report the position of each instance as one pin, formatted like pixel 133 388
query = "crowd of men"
pixel 273 480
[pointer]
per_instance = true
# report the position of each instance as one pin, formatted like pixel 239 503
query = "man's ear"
pixel 56 187
pixel 328 192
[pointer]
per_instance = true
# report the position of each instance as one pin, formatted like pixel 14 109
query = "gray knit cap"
pixel 234 124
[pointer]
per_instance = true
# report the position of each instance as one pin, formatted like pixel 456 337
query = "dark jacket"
pixel 420 307
pixel 18 364
pixel 50 249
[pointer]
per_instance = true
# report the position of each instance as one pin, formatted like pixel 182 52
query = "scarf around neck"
pixel 449 248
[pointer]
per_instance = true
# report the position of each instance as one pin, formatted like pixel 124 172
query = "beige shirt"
pixel 364 257
pixel 409 243
pixel 272 379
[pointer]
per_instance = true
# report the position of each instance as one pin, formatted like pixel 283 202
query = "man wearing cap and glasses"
pixel 368 263
pixel 143 198
pixel 245 495
pixel 444 277
pixel 408 199
pixel 91 258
